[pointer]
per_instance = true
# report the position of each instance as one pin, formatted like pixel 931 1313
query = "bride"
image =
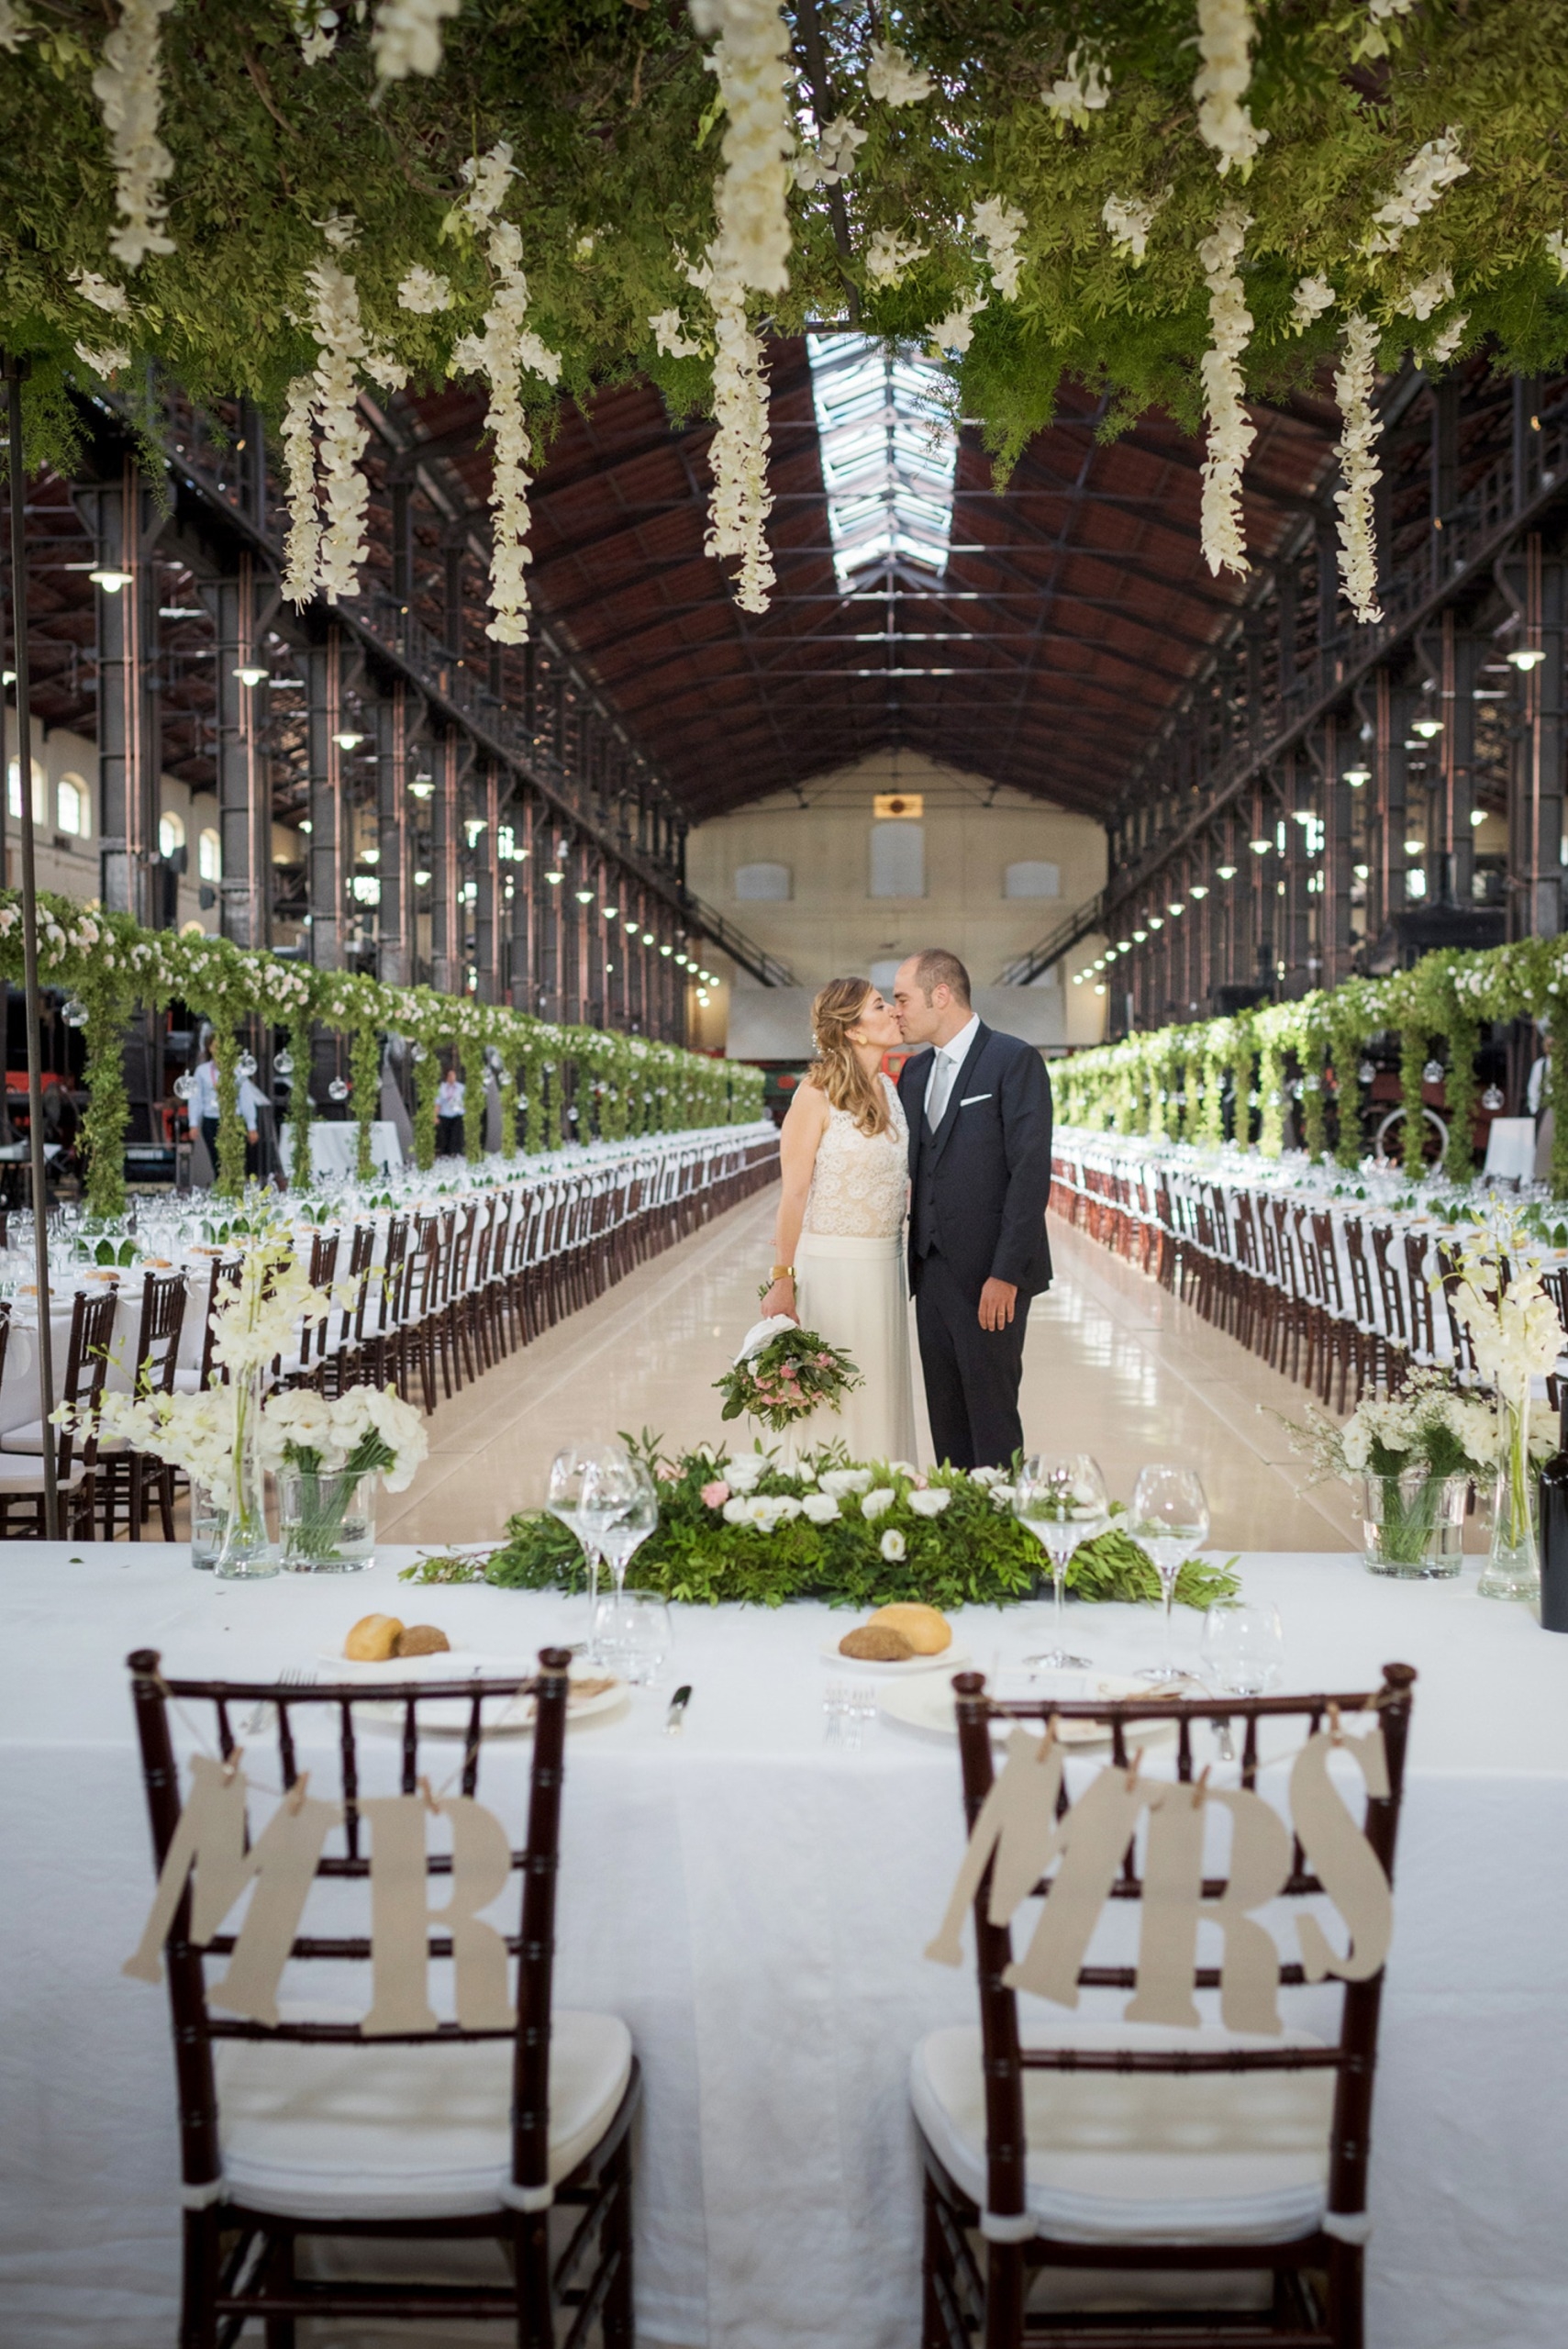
pixel 838 1240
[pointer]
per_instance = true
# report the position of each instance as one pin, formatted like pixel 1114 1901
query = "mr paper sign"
pixel 1019 1836
pixel 208 1852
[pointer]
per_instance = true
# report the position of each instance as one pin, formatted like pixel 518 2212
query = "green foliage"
pixel 975 1554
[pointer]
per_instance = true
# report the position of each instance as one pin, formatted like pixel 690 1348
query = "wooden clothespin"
pixel 1200 1787
pixel 293 1800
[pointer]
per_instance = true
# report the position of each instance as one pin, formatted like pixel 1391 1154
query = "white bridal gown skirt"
pixel 851 1293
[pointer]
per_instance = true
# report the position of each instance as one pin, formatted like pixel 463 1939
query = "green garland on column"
pixel 1344 1054
pixel 364 1078
pixel 1415 1044
pixel 1314 1108
pixel 427 1085
pixel 475 1067
pixel 1464 1042
pixel 230 1170
pixel 1556 1094
pixel 1271 1085
pixel 109 1007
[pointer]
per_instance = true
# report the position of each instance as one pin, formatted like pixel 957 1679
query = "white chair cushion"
pixel 1149 2157
pixel 378 2132
pixel 23 1473
pixel 29 1437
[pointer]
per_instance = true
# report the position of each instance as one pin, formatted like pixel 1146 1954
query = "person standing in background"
pixel 450 1097
pixel 203 1110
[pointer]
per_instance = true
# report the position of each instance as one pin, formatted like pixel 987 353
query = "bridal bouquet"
pixel 782 1373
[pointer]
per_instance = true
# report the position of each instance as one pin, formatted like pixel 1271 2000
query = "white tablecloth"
pixel 755 1903
pixel 335 1145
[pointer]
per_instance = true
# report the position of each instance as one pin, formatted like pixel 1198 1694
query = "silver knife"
pixel 674 1720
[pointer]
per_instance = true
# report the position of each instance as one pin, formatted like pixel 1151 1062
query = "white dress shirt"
pixel 947 1060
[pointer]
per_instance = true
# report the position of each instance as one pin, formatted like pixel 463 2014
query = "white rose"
pixel 893 1544
pixel 736 1510
pixel 931 1501
pixel 903 1467
pixel 821 1507
pixel 1002 1497
pixel 876 1504
pixel 845 1480
pixel 746 1472
pixel 986 1476
pixel 757 1510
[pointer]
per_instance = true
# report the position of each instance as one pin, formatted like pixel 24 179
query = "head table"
pixel 753 1897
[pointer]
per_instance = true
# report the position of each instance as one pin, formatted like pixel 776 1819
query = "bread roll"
pixel 421 1639
pixel 372 1639
pixel 875 1642
pixel 926 1631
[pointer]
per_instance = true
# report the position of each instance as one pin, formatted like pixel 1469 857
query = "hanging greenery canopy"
pixel 555 1084
pixel 1173 201
pixel 1172 1081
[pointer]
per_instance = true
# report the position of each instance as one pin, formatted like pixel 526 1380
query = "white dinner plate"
pixel 931 1706
pixel 448 1716
pixel 904 1668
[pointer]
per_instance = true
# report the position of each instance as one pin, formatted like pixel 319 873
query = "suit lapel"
pixel 914 1115
pixel 949 1114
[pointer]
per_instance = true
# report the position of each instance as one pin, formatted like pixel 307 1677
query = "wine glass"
pixel 1062 1502
pixel 573 1463
pixel 617 1509
pixel 1170 1520
pixel 1243 1647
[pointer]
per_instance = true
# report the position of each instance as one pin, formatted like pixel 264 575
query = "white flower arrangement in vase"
pixel 326 1456
pixel 1517 1337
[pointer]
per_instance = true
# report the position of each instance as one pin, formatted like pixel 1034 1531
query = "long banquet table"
pixel 754 1900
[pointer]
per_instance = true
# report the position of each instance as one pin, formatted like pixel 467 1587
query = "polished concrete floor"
pixel 1113 1365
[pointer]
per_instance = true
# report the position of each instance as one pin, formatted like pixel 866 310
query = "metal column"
pixel 244 773
pixel 126 526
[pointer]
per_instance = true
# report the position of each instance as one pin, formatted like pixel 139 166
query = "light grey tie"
pixel 939 1088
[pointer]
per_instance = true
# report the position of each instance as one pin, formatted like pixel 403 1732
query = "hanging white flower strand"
pixel 1360 427
pixel 301 548
pixel 407 37
pixel 1432 168
pixel 999 225
pixel 1083 89
pixel 1127 220
pixel 741 500
pixel 1231 430
pixel 126 87
pixel 327 556
pixel 751 60
pixel 1312 296
pixel 317 25
pixel 501 354
pixel 893 79
pixel 1225 36
pixel 889 255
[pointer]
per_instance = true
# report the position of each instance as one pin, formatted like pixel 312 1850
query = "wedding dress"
pixel 849 1284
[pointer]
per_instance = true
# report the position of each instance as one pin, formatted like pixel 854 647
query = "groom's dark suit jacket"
pixel 979 1185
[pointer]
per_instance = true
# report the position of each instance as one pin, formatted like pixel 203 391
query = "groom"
pixel 979 1111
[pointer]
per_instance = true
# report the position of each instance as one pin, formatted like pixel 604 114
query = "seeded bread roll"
pixel 373 1639
pixel 422 1639
pixel 926 1631
pixel 876 1644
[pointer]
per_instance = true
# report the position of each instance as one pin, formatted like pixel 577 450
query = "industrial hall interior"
pixel 784 1174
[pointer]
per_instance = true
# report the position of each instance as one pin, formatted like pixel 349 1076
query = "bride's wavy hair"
pixel 835 1071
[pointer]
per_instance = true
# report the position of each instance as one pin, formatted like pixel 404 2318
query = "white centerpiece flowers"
pixel 327 1454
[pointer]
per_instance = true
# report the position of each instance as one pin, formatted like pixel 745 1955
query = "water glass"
pixel 1170 1520
pixel 1243 1647
pixel 633 1635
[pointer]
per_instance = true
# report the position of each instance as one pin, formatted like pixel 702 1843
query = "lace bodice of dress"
pixel 859 1181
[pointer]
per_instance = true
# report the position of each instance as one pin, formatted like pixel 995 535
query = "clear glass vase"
pixel 207 1518
pixel 1413 1525
pixel 1513 1568
pixel 326 1519
pixel 246 1552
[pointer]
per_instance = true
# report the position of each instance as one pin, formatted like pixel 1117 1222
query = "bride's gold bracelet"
pixel 784 1272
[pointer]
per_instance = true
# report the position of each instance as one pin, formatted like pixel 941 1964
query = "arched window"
pixel 41 791
pixel 898 858
pixel 72 808
pixel 170 833
pixel 1033 879
pixel 762 884
pixel 209 856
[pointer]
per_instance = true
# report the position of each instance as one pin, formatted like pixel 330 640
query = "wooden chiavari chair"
pixel 307 2130
pixel 1084 2143
pixel 152 1368
pixel 76 1443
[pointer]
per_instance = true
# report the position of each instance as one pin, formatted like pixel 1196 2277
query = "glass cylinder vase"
pixel 1513 1565
pixel 207 1518
pixel 327 1520
pixel 1413 1525
pixel 246 1554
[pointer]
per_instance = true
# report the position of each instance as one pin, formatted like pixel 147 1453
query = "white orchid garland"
pixel 1083 89
pixel 501 354
pixel 740 499
pixel 301 548
pixel 407 37
pixel 889 255
pixel 1430 170
pixel 325 556
pixel 1360 427
pixel 424 292
pixel 750 57
pixel 1127 220
pixel 998 225
pixel 1225 36
pixel 127 87
pixel 670 334
pixel 1312 298
pixel 317 25
pixel 895 79
pixel 1230 428
pixel 833 159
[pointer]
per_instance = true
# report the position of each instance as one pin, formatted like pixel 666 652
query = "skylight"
pixel 888 454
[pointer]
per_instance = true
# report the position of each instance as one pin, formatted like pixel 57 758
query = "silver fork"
pixel 293 1677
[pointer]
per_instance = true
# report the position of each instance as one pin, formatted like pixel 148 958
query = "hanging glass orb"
pixel 74 1013
pixel 1366 1072
pixel 550 1068
pixel 1254 1099
pixel 1432 1074
pixel 245 1064
pixel 1297 1089
pixel 648 1097
pixel 1181 1101
pixel 338 1089
pixel 417 1052
pixel 1311 1085
pixel 283 1064
pixel 522 1100
pixel 1491 1098
pixel 185 1086
pixel 571 1115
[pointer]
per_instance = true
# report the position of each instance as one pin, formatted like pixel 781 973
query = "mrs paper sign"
pixel 208 1851
pixel 1018 1835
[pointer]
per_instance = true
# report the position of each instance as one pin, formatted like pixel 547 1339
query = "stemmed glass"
pixel 1170 1520
pixel 617 1508
pixel 572 1464
pixel 1062 1501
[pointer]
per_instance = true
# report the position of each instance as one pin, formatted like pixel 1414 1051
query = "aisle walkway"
pixel 1114 1365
